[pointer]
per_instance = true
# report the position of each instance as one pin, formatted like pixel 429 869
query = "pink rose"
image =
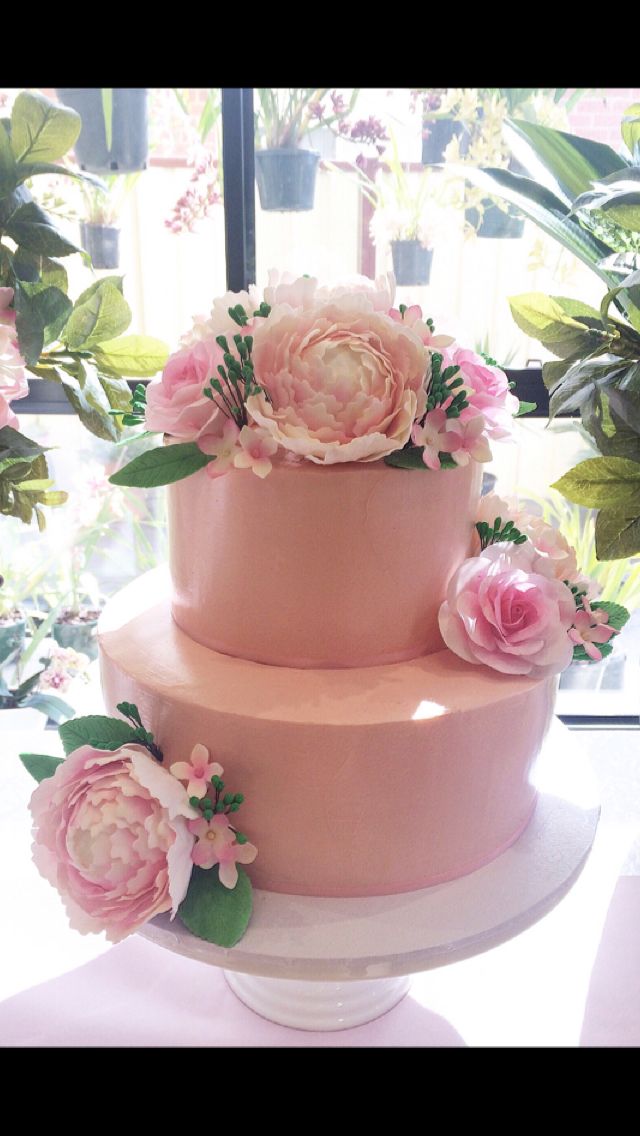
pixel 111 834
pixel 487 391
pixel 176 404
pixel 13 378
pixel 344 381
pixel 501 612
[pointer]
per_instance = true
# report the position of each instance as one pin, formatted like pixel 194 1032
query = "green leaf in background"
pixel 572 161
pixel 26 170
pixel 607 483
pixel 117 392
pixel 32 229
pixel 138 356
pixel 82 387
pixel 55 708
pixel 549 319
pixel 49 308
pixel 103 315
pixel 7 162
pixel 96 730
pixel 216 913
pixel 116 281
pixel 15 444
pixel 630 129
pixel 41 130
pixel 31 268
pixel 162 466
pixel 40 765
pixel 581 382
pixel 617 533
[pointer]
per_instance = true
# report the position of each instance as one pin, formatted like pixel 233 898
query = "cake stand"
pixel 330 964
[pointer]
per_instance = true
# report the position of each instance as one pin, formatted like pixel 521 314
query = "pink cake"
pixel 304 653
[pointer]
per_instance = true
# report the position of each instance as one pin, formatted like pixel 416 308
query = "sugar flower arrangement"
pixel 520 605
pixel 124 837
pixel 322 375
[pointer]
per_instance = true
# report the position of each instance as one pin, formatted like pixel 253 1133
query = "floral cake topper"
pixel 124 838
pixel 328 375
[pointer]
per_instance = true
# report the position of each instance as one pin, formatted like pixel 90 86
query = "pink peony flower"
pixel 492 506
pixel 473 442
pixel 555 556
pixel 487 391
pixel 111 834
pixel 224 448
pixel 13 377
pixel 501 612
pixel 588 629
pixel 435 436
pixel 345 382
pixel 217 844
pixel 258 447
pixel 303 293
pixel 219 322
pixel 176 404
pixel 198 771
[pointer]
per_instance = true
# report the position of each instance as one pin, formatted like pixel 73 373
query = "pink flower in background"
pixel 217 844
pixel 110 833
pixel 198 771
pixel 435 436
pixel 472 439
pixel 589 629
pixel 302 293
pixel 487 391
pixel 223 448
pixel 501 612
pixel 176 404
pixel 65 665
pixel 13 377
pixel 257 449
pixel 343 382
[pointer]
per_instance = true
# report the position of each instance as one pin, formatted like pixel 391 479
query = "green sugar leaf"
pixel 214 912
pixel 40 765
pixel 162 466
pixel 96 730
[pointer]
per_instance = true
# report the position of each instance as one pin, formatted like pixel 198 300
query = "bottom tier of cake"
pixel 367 781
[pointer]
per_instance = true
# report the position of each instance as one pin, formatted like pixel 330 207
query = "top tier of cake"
pixel 339 566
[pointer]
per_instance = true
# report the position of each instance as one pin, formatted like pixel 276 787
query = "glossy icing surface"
pixel 366 781
pixel 344 566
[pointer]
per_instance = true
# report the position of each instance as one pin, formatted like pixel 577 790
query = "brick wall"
pixel 598 115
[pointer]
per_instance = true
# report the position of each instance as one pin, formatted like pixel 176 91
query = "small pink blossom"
pixel 588 629
pixel 501 612
pixel 436 438
pixel 413 318
pixel 258 447
pixel 473 441
pixel 198 771
pixel 217 844
pixel 487 390
pixel 224 449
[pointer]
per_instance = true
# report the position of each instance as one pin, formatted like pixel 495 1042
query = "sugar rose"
pixel 111 834
pixel 342 380
pixel 176 404
pixel 501 612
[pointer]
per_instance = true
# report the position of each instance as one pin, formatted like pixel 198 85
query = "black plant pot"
pixel 496 223
pixel 411 262
pixel 102 242
pixel 81 636
pixel 437 133
pixel 286 179
pixel 129 142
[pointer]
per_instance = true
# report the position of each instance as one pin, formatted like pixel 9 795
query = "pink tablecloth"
pixel 137 994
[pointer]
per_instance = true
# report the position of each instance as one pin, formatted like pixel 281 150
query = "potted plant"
pixel 26 703
pixel 407 210
pixel 99 231
pixel 438 127
pixel 285 171
pixel 114 135
pixel 594 211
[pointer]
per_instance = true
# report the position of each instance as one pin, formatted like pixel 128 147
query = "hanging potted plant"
pixel 99 230
pixel 438 127
pixel 285 170
pixel 407 211
pixel 114 134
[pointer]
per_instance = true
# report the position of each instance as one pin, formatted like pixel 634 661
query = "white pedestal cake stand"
pixel 330 964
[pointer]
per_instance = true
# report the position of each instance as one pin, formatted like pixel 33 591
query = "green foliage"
pixel 162 466
pixel 216 913
pixel 77 345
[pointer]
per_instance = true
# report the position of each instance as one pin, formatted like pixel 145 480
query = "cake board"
pixel 330 964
